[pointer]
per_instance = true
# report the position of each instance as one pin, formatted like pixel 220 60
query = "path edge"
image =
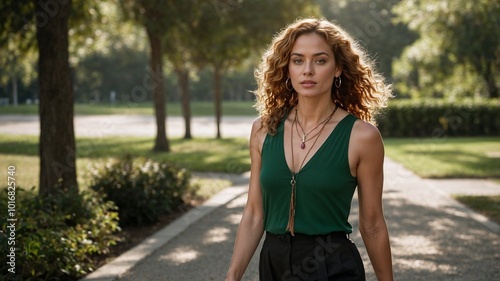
pixel 126 261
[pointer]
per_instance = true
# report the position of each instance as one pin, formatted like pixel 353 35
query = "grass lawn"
pixel 173 109
pixel 486 205
pixel 448 157
pixel 206 155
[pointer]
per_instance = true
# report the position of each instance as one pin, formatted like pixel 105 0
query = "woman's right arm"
pixel 251 226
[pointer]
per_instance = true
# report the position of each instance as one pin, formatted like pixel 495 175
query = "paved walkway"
pixel 433 237
pixel 131 125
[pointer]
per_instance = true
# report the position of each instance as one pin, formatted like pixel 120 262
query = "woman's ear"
pixel 338 72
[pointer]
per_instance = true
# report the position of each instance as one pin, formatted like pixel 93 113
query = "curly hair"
pixel 362 93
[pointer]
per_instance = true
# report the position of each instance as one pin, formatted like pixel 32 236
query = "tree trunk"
pixel 161 142
pixel 218 98
pixel 183 77
pixel 57 139
pixel 490 80
pixel 14 89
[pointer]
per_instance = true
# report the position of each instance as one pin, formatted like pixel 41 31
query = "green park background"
pixel 196 58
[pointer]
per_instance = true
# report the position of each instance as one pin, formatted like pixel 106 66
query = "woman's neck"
pixel 312 113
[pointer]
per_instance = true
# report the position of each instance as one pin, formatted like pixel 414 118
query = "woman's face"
pixel 312 66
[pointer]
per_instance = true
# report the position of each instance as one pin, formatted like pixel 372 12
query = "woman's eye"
pixel 320 61
pixel 297 61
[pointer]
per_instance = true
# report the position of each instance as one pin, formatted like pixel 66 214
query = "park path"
pixel 131 125
pixel 433 237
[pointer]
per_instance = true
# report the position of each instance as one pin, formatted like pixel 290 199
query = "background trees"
pixel 427 48
pixel 458 49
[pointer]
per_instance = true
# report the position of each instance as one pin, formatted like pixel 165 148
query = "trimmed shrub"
pixel 56 236
pixel 142 189
pixel 440 118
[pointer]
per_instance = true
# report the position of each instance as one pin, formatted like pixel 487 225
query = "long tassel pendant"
pixel 291 214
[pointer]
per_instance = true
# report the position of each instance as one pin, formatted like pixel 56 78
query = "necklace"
pixel 293 182
pixel 304 135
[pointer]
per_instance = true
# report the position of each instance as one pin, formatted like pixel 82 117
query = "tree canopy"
pixel 458 43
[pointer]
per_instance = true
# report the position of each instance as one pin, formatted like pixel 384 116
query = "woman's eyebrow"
pixel 314 55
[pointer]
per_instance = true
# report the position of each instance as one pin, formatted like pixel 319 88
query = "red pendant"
pixel 303 145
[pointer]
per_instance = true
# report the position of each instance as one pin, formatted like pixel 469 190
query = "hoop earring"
pixel 286 84
pixel 337 85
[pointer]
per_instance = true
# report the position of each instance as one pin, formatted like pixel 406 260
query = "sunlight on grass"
pixel 486 205
pixel 206 155
pixel 448 157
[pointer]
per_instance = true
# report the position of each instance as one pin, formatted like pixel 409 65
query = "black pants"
pixel 312 258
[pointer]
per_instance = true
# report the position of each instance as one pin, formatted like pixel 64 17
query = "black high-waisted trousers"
pixel 313 258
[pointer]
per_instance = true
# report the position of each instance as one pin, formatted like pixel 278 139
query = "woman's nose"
pixel 308 68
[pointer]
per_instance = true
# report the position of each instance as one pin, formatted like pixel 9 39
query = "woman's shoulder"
pixel 258 134
pixel 365 132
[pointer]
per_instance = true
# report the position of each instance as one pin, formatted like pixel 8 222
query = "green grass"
pixel 448 157
pixel 486 205
pixel 173 109
pixel 206 155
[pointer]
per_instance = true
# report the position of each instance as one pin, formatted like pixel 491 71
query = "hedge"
pixel 439 118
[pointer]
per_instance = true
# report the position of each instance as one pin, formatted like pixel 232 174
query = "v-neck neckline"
pixel 315 153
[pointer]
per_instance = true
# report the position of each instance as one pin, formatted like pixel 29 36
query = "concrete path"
pixel 433 237
pixel 131 125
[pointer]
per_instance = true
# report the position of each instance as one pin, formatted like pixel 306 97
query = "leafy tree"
pixel 179 46
pixel 371 22
pixel 461 37
pixel 229 32
pixel 157 16
pixel 44 25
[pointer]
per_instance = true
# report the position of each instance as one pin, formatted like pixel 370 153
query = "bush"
pixel 440 118
pixel 142 189
pixel 56 236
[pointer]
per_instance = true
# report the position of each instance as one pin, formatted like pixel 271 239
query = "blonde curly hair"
pixel 362 93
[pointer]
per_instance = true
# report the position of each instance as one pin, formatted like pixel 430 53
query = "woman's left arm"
pixel 367 153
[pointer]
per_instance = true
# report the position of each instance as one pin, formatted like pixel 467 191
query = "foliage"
pixel 372 23
pixel 57 236
pixel 142 189
pixel 18 37
pixel 452 34
pixel 439 118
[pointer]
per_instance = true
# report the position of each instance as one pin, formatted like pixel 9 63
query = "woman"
pixel 312 145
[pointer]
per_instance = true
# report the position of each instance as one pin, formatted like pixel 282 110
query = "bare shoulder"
pixel 366 141
pixel 257 135
pixel 365 133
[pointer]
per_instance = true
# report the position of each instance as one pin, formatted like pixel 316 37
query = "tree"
pixel 157 17
pixel 57 139
pixel 371 22
pixel 230 32
pixel 178 49
pixel 44 24
pixel 462 33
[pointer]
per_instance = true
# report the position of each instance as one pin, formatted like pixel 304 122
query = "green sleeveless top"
pixel 324 189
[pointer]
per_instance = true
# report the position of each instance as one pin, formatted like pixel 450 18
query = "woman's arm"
pixel 251 226
pixel 368 153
